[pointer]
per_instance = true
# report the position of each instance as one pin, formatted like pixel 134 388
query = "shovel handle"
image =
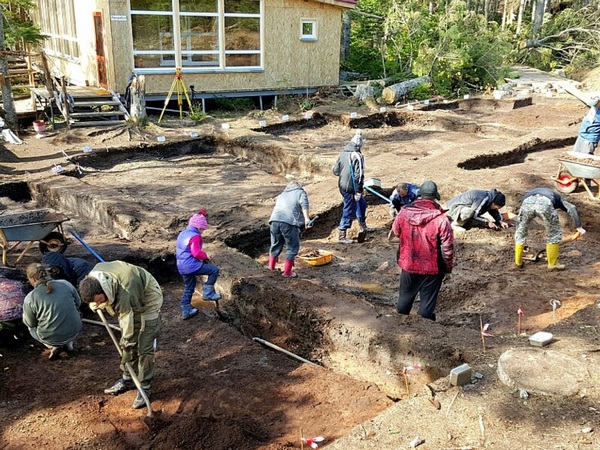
pixel 373 191
pixel 134 377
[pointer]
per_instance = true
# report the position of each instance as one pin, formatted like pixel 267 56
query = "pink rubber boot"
pixel 272 262
pixel 287 269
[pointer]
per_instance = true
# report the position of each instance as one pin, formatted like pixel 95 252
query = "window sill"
pixel 308 39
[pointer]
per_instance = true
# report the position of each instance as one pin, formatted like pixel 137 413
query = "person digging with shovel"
pixel 350 170
pixel 135 297
pixel 290 214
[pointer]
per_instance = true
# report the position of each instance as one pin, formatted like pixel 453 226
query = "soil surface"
pixel 371 378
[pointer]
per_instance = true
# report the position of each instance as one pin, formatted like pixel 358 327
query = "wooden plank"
pixel 97 103
pixel 99 123
pixel 97 114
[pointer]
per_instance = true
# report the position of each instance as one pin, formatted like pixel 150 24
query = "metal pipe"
pixel 95 322
pixel 285 352
pixel 373 191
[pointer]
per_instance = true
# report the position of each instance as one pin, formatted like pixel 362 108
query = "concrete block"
pixel 461 375
pixel 540 339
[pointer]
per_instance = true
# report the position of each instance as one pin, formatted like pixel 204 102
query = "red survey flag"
pixel 313 442
pixel 413 367
pixel 484 330
pixel 520 312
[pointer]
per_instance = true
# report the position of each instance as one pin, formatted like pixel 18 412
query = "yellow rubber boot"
pixel 519 254
pixel 552 255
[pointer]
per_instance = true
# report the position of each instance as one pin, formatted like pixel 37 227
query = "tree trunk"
pixel 393 93
pixel 7 97
pixel 345 44
pixel 537 17
pixel 520 16
pixel 137 92
pixel 504 15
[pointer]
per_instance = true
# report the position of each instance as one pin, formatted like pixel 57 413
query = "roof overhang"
pixel 347 4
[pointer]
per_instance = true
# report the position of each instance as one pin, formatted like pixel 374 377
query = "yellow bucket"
pixel 324 257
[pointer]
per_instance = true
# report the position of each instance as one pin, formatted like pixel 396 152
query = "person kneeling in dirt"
pixel 466 209
pixel 192 262
pixel 404 194
pixel 350 170
pixel 72 270
pixel 543 203
pixel 290 214
pixel 135 297
pixel 589 131
pixel 426 252
pixel 51 311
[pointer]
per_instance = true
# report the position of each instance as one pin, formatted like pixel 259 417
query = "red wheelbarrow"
pixel 571 173
pixel 34 225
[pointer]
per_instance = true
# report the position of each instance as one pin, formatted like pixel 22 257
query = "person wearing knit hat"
pixel 467 209
pixel 350 170
pixel 589 131
pixel 192 262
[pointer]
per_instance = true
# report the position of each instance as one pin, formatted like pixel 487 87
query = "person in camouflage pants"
pixel 544 203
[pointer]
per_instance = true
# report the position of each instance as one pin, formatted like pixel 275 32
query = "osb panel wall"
pixel 84 72
pixel 288 62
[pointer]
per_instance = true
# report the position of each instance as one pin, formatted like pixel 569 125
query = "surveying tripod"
pixel 181 89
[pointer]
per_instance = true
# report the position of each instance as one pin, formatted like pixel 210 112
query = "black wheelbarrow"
pixel 39 225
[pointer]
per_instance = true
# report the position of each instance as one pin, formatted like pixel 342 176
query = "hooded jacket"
pixel 133 294
pixel 350 155
pixel 590 127
pixel 73 269
pixel 426 238
pixel 289 205
pixel 478 201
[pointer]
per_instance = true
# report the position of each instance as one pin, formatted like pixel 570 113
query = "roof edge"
pixel 347 4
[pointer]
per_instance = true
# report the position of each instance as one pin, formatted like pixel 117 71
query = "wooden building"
pixel 223 47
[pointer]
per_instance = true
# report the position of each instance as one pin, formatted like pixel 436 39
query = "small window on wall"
pixel 308 30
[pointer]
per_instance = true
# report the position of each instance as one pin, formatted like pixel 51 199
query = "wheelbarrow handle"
pixel 373 191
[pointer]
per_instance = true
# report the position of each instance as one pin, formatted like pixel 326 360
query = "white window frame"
pixel 308 37
pixel 222 52
pixel 57 21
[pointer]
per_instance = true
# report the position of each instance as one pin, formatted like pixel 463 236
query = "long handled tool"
pixel 151 416
pixel 362 234
pixel 373 191
pixel 541 254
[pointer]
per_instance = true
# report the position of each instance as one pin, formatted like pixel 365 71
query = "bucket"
pixel 39 126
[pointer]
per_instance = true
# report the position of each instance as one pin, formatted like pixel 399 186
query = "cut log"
pixel 393 93
pixel 363 92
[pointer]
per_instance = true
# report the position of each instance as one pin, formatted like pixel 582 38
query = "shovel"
pixel 152 419
pixel 542 253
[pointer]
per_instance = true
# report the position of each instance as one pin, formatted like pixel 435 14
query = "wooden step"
pixel 110 102
pixel 99 123
pixel 75 115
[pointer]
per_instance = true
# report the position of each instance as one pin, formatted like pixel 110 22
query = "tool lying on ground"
pixel 152 419
pixel 537 256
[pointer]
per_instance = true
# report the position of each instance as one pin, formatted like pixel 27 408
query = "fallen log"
pixel 393 93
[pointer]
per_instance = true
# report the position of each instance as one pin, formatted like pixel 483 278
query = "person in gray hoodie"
pixel 350 170
pixel 290 214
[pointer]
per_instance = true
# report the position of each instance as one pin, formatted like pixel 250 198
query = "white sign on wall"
pixel 118 18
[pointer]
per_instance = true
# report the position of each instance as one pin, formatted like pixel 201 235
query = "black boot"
pixel 342 239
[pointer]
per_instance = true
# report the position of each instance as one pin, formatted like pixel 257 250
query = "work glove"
pixel 357 197
pixel 581 231
pixel 94 306
pixel 126 356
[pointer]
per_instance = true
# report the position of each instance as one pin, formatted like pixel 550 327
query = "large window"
pixel 196 34
pixel 56 19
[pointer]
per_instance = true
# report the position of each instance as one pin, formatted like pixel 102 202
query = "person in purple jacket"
pixel 193 261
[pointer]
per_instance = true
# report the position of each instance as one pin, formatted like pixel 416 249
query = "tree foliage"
pixel 467 45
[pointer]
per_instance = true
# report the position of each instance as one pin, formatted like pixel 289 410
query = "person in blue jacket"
pixel 67 268
pixel 404 194
pixel 589 131
pixel 192 261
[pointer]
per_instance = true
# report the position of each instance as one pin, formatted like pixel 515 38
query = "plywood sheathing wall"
pixel 288 62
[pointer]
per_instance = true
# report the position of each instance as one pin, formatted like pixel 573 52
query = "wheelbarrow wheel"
pixel 565 183
pixel 53 242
